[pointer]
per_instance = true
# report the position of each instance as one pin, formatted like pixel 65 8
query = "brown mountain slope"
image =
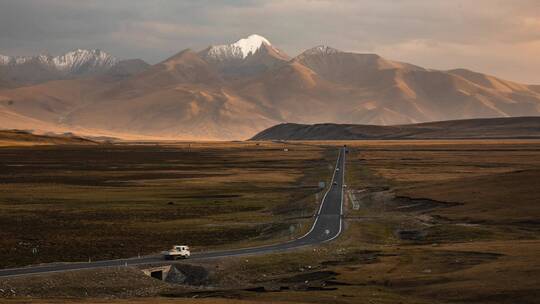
pixel 513 127
pixel 29 73
pixel 182 112
pixel 489 82
pixel 290 93
pixel 49 102
pixel 184 67
pixel 350 68
pixel 126 68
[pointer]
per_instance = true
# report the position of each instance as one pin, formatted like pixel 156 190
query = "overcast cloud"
pixel 500 37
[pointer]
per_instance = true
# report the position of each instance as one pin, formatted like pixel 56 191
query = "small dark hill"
pixel 21 137
pixel 497 128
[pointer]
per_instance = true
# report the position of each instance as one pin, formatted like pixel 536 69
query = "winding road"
pixel 327 226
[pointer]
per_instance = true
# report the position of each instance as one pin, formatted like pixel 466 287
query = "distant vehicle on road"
pixel 337 169
pixel 335 183
pixel 177 252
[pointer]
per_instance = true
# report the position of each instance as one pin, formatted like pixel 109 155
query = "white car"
pixel 177 252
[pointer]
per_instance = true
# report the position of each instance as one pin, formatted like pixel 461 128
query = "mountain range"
pixel 233 91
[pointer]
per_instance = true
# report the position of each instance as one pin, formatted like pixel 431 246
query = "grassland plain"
pixel 427 222
pixel 74 202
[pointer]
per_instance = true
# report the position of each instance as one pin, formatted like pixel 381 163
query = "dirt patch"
pixel 122 282
pixel 311 276
pixel 188 274
pixel 387 200
pixel 411 235
pixel 355 257
pixel 202 294
pixel 408 204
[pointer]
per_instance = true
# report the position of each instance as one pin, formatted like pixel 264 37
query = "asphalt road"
pixel 327 226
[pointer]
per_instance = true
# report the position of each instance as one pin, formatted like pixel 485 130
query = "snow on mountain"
pixel 15 60
pixel 238 50
pixel 4 59
pixel 321 50
pixel 80 59
pixel 43 58
pixel 244 58
pixel 77 61
pixel 250 44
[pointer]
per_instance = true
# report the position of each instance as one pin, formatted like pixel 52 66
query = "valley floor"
pixel 426 222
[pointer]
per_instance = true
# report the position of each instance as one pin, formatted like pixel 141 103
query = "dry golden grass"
pixel 491 180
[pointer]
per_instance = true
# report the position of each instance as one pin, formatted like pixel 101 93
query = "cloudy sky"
pixel 500 37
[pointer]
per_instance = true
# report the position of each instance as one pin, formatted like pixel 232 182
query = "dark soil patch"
pixel 408 204
pixel 529 296
pixel 189 274
pixel 337 283
pixel 360 257
pixel 80 179
pixel 453 233
pixel 311 276
pixel 225 294
pixel 411 235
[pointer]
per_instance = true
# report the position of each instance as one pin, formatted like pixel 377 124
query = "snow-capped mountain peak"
pixel 237 50
pixel 77 61
pixel 321 50
pixel 250 44
pixel 4 59
pixel 44 58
